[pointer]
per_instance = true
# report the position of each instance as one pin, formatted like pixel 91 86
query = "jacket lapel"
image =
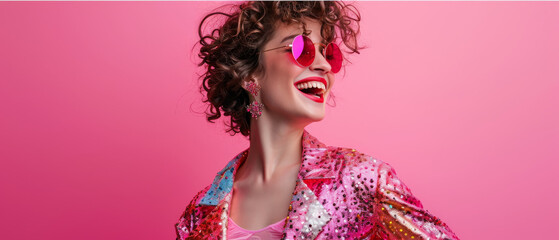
pixel 307 216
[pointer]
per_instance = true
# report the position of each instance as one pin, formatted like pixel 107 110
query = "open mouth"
pixel 312 88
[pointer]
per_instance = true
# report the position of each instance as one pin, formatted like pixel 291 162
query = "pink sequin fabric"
pixel 340 194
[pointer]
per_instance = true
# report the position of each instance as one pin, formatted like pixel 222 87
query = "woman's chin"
pixel 315 116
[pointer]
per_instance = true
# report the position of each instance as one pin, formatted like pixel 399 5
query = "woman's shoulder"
pixel 199 195
pixel 350 159
pixel 359 166
pixel 374 183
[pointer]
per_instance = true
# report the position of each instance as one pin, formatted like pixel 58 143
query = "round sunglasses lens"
pixel 334 56
pixel 303 50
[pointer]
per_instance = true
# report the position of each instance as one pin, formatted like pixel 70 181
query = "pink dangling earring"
pixel 255 108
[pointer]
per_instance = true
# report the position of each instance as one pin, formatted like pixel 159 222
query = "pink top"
pixel 273 231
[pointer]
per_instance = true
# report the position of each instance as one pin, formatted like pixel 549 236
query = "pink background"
pixel 102 136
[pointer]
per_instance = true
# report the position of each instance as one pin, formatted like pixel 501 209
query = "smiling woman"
pixel 270 67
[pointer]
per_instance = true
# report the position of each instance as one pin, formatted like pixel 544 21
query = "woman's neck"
pixel 275 148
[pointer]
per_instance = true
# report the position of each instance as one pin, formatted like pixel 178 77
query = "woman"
pixel 270 67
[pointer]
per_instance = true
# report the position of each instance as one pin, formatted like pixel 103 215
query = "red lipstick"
pixel 315 94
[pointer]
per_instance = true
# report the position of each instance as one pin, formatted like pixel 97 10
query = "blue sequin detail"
pixel 222 184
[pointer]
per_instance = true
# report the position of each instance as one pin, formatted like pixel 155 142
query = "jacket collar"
pixel 317 166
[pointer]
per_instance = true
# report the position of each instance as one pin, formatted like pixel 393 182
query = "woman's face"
pixel 290 92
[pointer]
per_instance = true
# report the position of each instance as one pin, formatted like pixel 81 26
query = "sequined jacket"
pixel 340 194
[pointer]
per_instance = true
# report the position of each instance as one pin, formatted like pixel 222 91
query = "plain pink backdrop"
pixel 102 136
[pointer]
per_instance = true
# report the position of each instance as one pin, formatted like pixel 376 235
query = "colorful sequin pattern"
pixel 340 194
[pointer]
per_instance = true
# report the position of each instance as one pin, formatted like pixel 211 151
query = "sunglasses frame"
pixel 325 46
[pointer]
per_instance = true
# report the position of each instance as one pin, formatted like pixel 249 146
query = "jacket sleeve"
pixel 400 215
pixel 189 218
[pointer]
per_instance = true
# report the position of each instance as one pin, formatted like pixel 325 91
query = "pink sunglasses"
pixel 303 51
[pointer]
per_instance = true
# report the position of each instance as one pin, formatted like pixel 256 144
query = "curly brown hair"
pixel 231 52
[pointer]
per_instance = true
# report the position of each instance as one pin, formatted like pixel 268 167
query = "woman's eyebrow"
pixel 289 37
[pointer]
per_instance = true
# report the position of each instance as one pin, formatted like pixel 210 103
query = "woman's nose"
pixel 320 63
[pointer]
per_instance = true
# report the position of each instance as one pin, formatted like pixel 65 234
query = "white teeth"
pixel 311 85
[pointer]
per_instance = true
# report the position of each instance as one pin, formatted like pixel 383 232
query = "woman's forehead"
pixel 284 32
